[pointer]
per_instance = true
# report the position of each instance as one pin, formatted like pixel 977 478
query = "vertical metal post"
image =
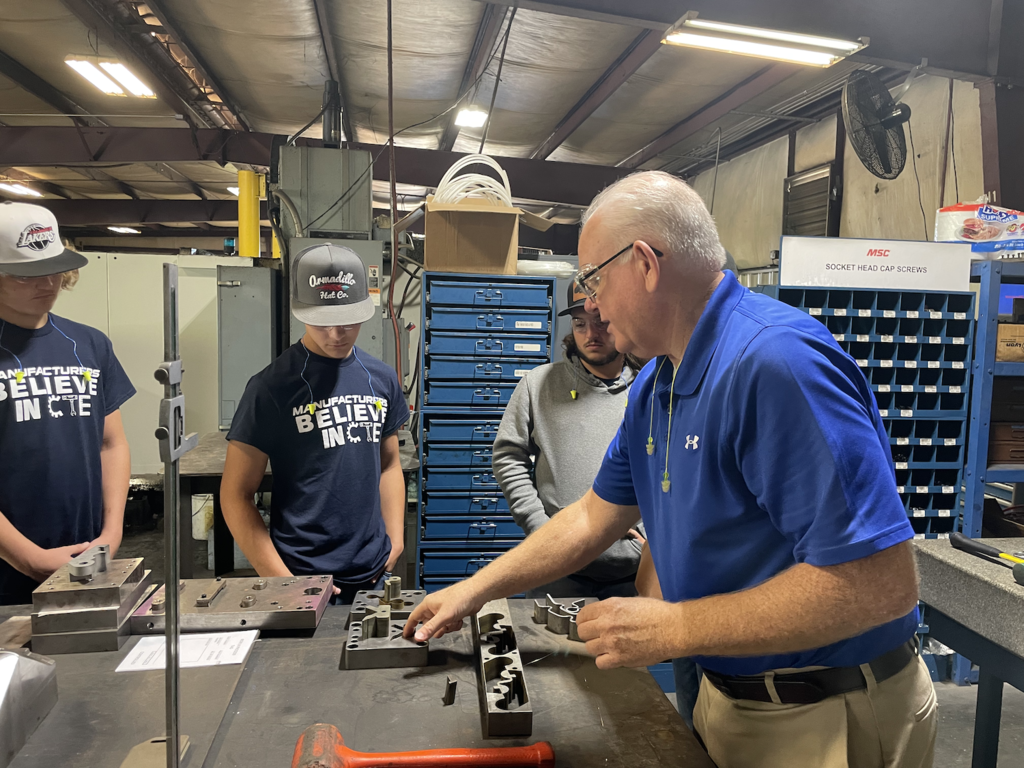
pixel 173 444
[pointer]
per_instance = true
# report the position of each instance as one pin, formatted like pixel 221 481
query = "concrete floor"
pixel 956 704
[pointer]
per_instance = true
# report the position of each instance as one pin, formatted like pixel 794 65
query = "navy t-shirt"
pixel 51 433
pixel 325 507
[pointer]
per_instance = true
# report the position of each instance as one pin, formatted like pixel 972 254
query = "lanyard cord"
pixel 650 435
pixel 302 375
pixel 20 374
pixel 665 484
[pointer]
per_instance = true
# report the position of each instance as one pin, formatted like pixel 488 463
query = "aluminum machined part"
pixel 89 563
pixel 505 708
pixel 559 615
pixel 28 691
pixel 450 689
pixel 222 605
pixel 375 641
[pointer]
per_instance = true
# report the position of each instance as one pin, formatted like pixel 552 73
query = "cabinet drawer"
pixel 515 320
pixel 469 369
pixel 494 294
pixel 475 345
pixel 471 528
pixel 459 393
pixel 455 455
pixel 459 480
pixel 451 430
pixel 458 563
pixel 447 504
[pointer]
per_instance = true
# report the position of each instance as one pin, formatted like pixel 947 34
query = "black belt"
pixel 812 687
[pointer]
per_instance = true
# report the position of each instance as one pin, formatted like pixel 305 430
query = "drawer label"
pixel 931 388
pixel 815 310
pixel 862 363
pixel 887 338
pixel 901 465
pixel 864 312
pixel 906 388
pixel 520 372
pixel 926 441
pixel 527 347
pixel 934 315
pixel 888 313
pixel 906 413
pixel 902 441
pixel 861 337
pixel 883 413
pixel 922 489
pixel 918 513
pixel 955 390
pixel 913 313
pixel 528 324
pixel 886 363
pixel 950 441
pixel 884 388
pixel 840 313
pixel 934 364
pixel 958 366
pixel 948 489
pixel 910 364
pixel 910 339
pixel 959 340
pixel 943 513
pixel 959 315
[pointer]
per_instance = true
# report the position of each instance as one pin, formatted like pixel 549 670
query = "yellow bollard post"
pixel 275 247
pixel 248 214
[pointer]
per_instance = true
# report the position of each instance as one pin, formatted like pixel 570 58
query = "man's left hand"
pixel 630 632
pixel 396 554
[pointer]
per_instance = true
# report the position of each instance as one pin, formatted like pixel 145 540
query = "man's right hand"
pixel 41 563
pixel 444 611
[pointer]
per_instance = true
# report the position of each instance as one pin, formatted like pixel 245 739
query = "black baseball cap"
pixel 329 286
pixel 575 298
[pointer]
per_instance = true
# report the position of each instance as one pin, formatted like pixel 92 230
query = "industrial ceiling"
pixel 583 83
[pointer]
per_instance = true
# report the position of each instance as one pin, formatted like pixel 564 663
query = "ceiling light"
pixel 233 191
pixel 123 75
pixel 125 230
pixel 90 72
pixel 471 117
pixel 763 43
pixel 18 189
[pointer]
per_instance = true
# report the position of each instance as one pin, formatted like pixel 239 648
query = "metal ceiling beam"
pixel 41 184
pixel 81 213
pixel 735 97
pixel 113 22
pixel 639 51
pixel 31 82
pixel 201 230
pixel 171 27
pixel 542 180
pixel 97 174
pixel 333 64
pixel 479 58
pixel 175 175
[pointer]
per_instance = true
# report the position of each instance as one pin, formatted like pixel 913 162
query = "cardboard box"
pixel 474 236
pixel 1010 343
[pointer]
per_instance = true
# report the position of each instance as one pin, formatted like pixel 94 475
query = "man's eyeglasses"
pixel 587 279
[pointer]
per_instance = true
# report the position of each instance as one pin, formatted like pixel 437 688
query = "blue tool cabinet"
pixel 480 337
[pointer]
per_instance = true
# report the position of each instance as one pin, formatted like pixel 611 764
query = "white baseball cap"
pixel 30 243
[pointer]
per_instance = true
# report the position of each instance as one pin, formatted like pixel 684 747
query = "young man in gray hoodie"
pixel 553 436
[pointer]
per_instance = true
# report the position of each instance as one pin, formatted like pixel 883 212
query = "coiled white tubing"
pixel 474 185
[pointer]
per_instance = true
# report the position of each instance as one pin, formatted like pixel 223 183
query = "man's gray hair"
pixel 655 204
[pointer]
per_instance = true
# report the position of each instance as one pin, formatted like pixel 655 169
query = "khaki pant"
pixel 888 725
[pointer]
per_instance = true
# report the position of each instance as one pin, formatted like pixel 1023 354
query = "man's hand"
pixel 444 611
pixel 41 564
pixel 629 632
pixel 396 553
pixel 634 534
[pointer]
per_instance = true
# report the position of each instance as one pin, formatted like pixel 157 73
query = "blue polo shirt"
pixel 777 456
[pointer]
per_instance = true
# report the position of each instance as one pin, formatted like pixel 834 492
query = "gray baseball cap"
pixel 329 286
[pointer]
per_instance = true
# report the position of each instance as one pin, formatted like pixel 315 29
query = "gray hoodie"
pixel 549 448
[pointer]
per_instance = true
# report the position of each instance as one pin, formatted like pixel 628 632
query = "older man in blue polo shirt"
pixel 754 451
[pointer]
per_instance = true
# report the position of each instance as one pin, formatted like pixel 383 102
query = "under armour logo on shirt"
pixel 691 442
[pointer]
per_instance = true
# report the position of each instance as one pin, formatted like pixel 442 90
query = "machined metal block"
pixel 107 589
pixel 375 641
pixel 222 605
pixel 401 606
pixel 505 708
pixel 559 615
pixel 28 691
pixel 92 641
pixel 88 619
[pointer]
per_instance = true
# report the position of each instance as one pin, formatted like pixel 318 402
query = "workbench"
pixel 200 471
pixel 616 718
pixel 976 608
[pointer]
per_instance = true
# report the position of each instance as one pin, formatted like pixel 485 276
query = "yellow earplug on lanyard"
pixel 311 408
pixel 574 393
pixel 19 376
pixel 87 375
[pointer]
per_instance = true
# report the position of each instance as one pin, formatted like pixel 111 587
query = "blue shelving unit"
pixel 480 336
pixel 979 473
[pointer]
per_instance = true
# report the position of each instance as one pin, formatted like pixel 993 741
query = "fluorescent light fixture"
pixel 18 189
pixel 123 75
pixel 91 72
pixel 233 191
pixel 471 117
pixel 125 230
pixel 763 43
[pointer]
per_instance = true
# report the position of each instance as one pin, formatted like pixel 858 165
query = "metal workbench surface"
pixel 207 458
pixel 979 594
pixel 614 718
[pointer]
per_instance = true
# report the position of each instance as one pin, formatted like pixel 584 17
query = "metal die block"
pixel 82 642
pixel 505 707
pixel 401 608
pixel 89 619
pixel 376 642
pixel 221 605
pixel 559 616
pixel 107 589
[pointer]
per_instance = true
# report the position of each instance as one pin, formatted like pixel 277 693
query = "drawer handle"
pixel 483 525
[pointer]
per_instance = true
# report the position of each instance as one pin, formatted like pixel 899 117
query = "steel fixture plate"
pixel 89 619
pixel 221 605
pixel 375 642
pixel 401 608
pixel 505 708
pixel 107 589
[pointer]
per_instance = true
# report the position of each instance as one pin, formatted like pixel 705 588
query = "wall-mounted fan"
pixel 874 123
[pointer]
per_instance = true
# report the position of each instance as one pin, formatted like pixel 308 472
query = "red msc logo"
pixel 879 252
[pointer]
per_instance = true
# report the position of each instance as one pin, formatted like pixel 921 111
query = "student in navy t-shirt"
pixel 64 458
pixel 326 415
